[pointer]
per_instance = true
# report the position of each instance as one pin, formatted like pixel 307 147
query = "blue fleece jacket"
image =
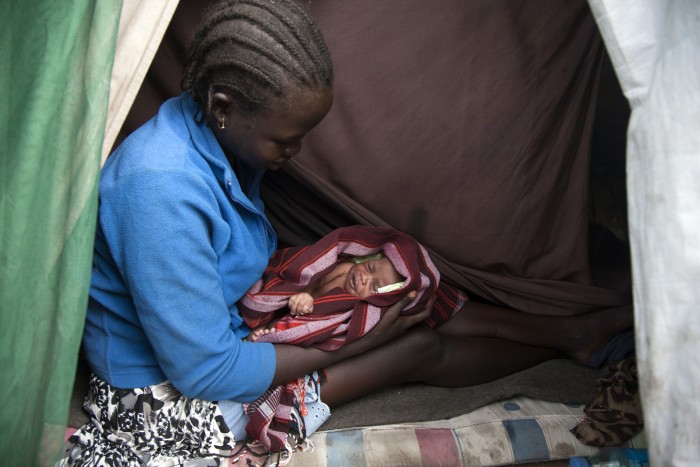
pixel 180 238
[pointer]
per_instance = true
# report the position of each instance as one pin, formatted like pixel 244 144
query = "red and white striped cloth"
pixel 339 317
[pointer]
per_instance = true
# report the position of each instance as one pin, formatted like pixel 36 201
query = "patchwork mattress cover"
pixel 511 431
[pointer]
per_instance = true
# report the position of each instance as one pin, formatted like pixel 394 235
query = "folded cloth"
pixel 297 404
pixel 338 317
pixel 615 414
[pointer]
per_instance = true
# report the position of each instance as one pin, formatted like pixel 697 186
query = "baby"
pixel 360 276
pixel 340 286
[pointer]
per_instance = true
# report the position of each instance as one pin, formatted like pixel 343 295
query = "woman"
pixel 181 237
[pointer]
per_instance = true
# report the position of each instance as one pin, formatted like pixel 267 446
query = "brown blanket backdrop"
pixel 467 124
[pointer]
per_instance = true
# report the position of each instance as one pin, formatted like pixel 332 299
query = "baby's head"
pixel 370 275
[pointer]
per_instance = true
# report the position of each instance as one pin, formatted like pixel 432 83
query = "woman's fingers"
pixel 391 325
pixel 392 322
pixel 422 315
pixel 395 309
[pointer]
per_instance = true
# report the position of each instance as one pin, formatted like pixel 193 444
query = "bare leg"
pixel 578 336
pixel 480 344
pixel 423 355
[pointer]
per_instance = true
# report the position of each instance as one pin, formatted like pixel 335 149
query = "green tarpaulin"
pixel 56 66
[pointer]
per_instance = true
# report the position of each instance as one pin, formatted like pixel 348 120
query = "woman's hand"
pixel 392 324
pixel 294 362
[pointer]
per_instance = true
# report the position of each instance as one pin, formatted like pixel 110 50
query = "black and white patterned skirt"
pixel 155 426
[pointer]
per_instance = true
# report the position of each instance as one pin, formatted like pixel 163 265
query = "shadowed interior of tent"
pixel 494 133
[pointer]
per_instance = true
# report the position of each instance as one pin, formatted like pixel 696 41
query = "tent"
pixel 520 95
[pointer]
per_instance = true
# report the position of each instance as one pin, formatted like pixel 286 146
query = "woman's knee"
pixel 422 343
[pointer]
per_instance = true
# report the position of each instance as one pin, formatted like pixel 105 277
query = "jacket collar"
pixel 207 145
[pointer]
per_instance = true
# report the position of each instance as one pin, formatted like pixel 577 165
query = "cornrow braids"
pixel 255 50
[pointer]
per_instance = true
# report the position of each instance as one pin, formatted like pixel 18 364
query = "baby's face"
pixel 367 278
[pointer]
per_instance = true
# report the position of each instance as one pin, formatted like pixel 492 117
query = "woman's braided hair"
pixel 255 50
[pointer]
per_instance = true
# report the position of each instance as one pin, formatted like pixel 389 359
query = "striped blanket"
pixel 338 317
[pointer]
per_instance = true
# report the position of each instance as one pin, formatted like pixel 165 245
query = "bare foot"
pixel 258 333
pixel 596 329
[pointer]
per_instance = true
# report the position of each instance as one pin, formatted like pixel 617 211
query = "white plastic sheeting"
pixel 654 46
pixel 142 25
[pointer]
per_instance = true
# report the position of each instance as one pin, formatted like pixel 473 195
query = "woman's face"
pixel 368 277
pixel 269 139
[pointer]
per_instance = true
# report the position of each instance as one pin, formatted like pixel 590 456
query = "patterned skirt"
pixel 154 426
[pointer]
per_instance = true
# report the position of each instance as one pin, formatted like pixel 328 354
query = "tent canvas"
pixel 651 45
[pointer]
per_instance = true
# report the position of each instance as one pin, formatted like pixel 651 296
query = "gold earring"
pixel 222 124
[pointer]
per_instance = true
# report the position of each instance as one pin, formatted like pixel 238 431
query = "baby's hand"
pixel 259 332
pixel 301 304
